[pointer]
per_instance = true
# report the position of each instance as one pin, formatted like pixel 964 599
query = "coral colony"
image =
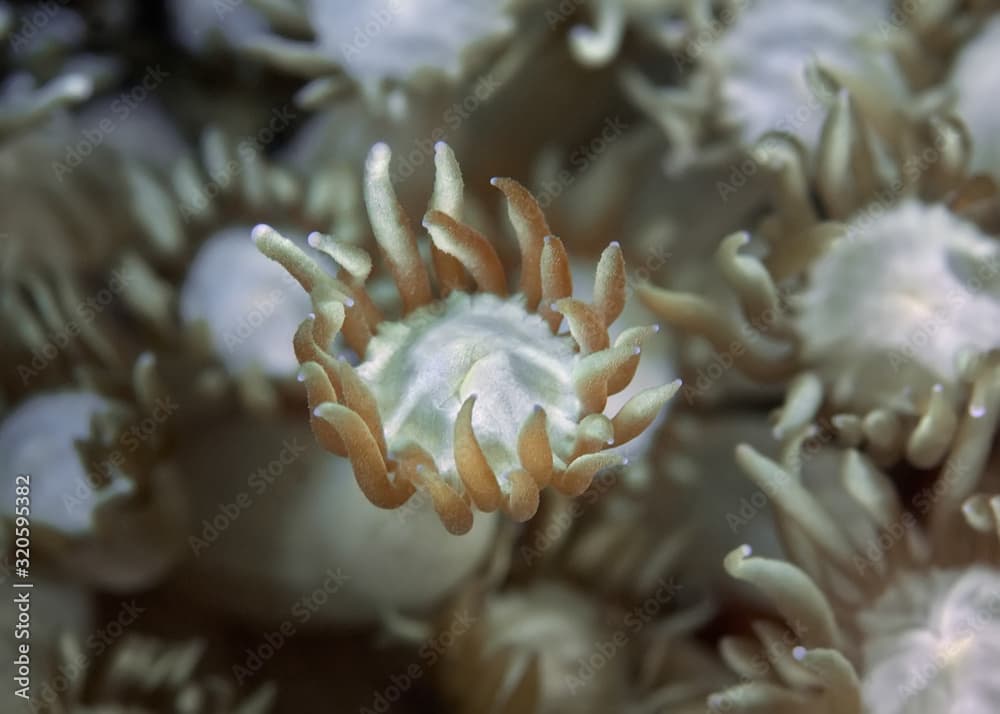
pixel 521 357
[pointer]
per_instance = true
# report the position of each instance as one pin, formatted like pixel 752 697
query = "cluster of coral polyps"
pixel 883 307
pixel 297 414
pixel 378 45
pixel 884 608
pixel 472 395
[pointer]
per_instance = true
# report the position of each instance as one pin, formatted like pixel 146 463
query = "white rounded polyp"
pixel 37 439
pixel 251 305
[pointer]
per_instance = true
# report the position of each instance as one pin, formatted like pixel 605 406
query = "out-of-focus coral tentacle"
pixel 934 433
pixel 699 316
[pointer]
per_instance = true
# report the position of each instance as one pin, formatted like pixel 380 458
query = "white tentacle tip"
pixel 78 86
pixel 260 232
pixel 378 157
pixel 718 702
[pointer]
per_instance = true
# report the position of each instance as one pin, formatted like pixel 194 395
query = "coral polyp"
pixel 94 513
pixel 887 606
pixel 378 43
pixel 952 625
pixel 910 336
pixel 474 395
pixel 776 93
pixel 883 309
pixel 530 646
pixel 971 86
pixel 801 50
pixel 331 350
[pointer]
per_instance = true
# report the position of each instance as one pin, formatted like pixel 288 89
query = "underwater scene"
pixel 500 357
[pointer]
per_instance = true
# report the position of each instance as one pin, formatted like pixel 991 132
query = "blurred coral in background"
pixel 500 356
